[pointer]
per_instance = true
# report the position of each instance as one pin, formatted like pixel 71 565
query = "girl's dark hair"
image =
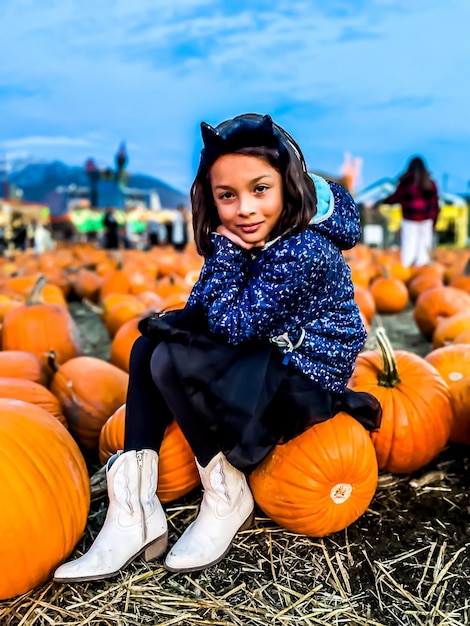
pixel 418 171
pixel 258 136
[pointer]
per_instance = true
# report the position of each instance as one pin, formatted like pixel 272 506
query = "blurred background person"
pixel 19 232
pixel 42 238
pixel 417 194
pixel 111 230
pixel 179 232
pixel 156 233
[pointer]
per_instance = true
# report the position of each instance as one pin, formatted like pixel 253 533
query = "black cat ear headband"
pixel 244 131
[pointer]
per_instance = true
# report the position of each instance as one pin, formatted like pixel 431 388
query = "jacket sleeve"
pixel 247 305
pixel 395 198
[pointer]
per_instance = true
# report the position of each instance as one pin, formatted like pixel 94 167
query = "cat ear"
pixel 211 137
pixel 266 125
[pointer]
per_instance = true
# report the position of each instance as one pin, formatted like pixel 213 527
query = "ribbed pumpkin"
pixel 122 343
pixel 30 391
pixel 172 287
pixel 461 282
pixel 390 294
pixel 421 283
pixel 416 410
pixel 321 481
pixel 122 312
pixel 8 302
pixel 89 390
pixel 115 281
pixel 438 302
pixel 167 259
pixel 177 472
pixel 365 301
pixel 44 493
pixel 453 364
pixel 21 364
pixel 448 328
pixel 38 328
pixel 463 337
pixel 86 284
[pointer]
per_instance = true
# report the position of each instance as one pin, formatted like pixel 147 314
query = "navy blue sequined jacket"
pixel 297 289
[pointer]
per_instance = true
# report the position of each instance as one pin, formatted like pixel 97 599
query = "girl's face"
pixel 247 193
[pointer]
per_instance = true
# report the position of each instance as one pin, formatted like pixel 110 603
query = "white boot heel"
pixel 227 508
pixel 156 548
pixel 248 522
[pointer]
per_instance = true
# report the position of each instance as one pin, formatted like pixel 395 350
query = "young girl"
pixel 262 351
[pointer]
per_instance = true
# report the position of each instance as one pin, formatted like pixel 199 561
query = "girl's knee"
pixel 141 352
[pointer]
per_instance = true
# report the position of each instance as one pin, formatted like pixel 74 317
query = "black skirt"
pixel 246 396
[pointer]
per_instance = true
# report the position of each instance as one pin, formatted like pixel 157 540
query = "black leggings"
pixel 154 398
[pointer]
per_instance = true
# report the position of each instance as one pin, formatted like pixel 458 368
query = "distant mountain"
pixel 38 179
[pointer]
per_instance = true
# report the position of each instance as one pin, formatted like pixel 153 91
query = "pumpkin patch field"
pixel 351 528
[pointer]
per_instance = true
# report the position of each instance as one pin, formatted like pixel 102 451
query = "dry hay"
pixel 405 562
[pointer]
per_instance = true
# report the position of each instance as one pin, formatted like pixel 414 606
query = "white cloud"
pixel 44 141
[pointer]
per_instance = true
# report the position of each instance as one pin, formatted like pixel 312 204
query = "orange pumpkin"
pixel 438 302
pixel 33 392
pixel 416 410
pixel 22 284
pixel 122 343
pixel 44 492
pixel 86 284
pixel 40 328
pixel 390 294
pixel 421 283
pixel 177 472
pixel 365 301
pixel 463 337
pixel 448 328
pixel 122 312
pixel 461 282
pixel 115 281
pixel 432 269
pixel 8 302
pixel 172 285
pixel 167 259
pixel 321 481
pixel 22 364
pixel 453 364
pixel 89 390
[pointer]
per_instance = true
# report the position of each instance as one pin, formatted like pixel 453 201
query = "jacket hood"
pixel 337 214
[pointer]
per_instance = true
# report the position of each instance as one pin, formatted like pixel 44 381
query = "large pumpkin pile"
pixel 57 402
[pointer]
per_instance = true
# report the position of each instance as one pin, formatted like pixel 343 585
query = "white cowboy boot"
pixel 135 521
pixel 226 508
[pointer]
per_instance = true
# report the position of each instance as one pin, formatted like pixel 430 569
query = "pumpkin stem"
pixel 51 360
pixel 389 376
pixel 99 310
pixel 98 486
pixel 386 273
pixel 35 297
pixel 119 260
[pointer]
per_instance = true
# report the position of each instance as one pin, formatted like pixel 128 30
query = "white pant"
pixel 416 242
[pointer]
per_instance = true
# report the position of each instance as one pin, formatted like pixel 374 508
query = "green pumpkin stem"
pixel 388 377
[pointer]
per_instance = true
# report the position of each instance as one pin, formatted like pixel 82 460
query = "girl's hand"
pixel 238 241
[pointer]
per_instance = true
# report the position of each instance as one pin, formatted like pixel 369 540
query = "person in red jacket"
pixel 418 196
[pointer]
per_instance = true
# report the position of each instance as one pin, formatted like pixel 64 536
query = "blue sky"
pixel 380 79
